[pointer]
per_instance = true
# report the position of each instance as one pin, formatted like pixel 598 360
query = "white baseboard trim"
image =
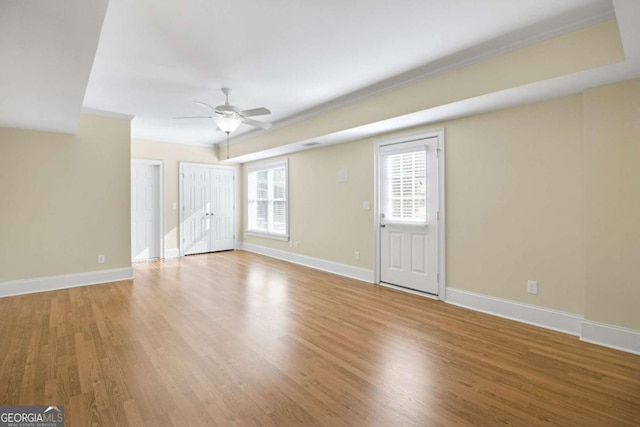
pixel 560 321
pixel 51 283
pixel 315 263
pixel 171 253
pixel 611 336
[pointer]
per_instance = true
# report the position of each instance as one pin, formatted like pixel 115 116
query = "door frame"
pixel 160 164
pixel 181 166
pixel 435 133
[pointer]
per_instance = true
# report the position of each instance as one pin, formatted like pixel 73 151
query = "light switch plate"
pixel 343 176
pixel 366 206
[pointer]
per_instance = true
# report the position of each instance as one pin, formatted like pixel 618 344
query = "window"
pixel 406 186
pixel 267 200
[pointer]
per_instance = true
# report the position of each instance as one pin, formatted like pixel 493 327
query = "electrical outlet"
pixel 297 244
pixel 356 255
pixel 532 287
pixel 100 259
pixel 290 243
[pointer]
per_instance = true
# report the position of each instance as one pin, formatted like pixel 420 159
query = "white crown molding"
pixel 498 46
pixel 146 138
pixel 51 283
pixel 357 273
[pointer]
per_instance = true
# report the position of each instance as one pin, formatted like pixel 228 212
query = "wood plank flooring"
pixel 234 338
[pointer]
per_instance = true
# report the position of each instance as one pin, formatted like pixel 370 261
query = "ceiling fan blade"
pixel 194 117
pixel 205 105
pixel 257 123
pixel 255 112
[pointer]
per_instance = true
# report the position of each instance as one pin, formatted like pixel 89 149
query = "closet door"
pixel 207 198
pixel 222 209
pixel 196 201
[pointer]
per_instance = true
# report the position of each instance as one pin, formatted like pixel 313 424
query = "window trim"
pixel 261 167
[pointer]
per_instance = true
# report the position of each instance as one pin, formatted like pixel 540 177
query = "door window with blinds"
pixel 405 179
pixel 267 200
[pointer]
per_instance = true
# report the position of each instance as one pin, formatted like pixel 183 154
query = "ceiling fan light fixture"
pixel 228 122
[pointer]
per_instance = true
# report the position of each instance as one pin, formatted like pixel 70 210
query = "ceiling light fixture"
pixel 228 122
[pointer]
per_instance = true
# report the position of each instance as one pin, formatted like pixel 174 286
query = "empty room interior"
pixel 378 213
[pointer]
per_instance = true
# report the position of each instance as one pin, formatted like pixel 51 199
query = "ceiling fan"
pixel 228 117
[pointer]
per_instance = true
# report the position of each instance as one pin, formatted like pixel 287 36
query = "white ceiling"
pixel 46 52
pixel 154 58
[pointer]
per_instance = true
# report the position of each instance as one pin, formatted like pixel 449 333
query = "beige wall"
pixel 514 203
pixel 547 192
pixel 326 217
pixel 65 199
pixel 612 203
pixel 172 154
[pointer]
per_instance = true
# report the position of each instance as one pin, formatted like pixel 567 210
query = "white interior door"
pixel 207 208
pixel 222 209
pixel 409 218
pixel 195 209
pixel 145 210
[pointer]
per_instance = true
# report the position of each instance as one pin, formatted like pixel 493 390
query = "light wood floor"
pixel 238 339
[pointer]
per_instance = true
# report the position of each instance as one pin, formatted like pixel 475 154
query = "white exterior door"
pixel 145 210
pixel 207 208
pixel 409 217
